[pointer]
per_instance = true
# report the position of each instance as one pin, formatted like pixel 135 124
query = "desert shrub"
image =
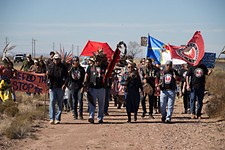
pixel 216 85
pixel 18 118
pixel 5 105
pixel 9 108
pixel 19 128
pixel 11 111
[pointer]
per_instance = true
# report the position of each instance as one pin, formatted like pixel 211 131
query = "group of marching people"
pixel 132 84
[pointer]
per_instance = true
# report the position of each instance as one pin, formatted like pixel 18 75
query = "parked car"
pixel 19 58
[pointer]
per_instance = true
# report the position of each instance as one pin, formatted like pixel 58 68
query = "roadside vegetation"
pixel 215 84
pixel 18 119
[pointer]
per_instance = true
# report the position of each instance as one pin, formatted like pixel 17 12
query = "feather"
pixel 7 48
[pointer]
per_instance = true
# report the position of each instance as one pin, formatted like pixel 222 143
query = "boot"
pixel 135 116
pixel 129 117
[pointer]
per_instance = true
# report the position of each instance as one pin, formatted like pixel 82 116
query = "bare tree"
pixel 133 48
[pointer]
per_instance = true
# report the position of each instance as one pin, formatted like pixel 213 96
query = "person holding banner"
pixel 27 63
pixel 57 74
pixel 6 74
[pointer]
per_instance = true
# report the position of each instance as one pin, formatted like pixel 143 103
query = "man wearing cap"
pixel 76 79
pixel 167 94
pixel 27 63
pixel 57 74
pixel 94 78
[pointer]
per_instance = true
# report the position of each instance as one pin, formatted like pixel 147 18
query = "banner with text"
pixel 29 82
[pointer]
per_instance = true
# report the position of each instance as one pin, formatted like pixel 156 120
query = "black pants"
pixel 152 100
pixel 186 100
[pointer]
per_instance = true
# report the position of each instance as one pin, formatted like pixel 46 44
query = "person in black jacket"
pixel 57 74
pixel 76 79
pixel 132 82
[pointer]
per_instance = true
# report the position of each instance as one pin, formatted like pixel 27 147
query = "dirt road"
pixel 115 133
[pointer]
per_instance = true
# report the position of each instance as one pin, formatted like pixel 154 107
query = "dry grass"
pixel 216 85
pixel 18 118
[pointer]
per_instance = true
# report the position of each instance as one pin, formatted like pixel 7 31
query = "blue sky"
pixel 77 21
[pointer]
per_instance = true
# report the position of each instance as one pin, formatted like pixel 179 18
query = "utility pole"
pixel 32 53
pixel 33 47
pixel 77 50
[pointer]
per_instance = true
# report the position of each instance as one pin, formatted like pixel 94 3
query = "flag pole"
pixel 221 52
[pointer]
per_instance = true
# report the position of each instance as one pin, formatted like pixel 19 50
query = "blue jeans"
pixel 55 95
pixel 196 94
pixel 100 95
pixel 167 97
pixel 77 97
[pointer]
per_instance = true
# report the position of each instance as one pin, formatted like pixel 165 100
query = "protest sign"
pixel 29 82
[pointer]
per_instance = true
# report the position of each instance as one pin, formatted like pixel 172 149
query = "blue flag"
pixel 155 49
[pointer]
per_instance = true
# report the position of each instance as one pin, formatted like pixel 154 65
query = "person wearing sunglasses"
pixel 132 82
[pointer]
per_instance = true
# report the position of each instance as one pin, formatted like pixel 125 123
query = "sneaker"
pixel 51 122
pixel 57 122
pixel 151 116
pixel 91 120
pixel 100 121
pixel 168 121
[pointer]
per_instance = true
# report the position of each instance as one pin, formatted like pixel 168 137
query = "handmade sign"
pixel 29 82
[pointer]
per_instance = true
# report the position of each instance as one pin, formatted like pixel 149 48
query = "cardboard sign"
pixel 29 82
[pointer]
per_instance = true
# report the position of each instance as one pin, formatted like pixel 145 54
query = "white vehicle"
pixel 19 58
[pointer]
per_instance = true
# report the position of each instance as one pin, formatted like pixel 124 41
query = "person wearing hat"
pixel 27 63
pixel 75 83
pixel 96 88
pixel 167 94
pixel 35 67
pixel 57 74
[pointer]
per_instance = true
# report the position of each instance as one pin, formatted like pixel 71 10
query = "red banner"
pixel 192 53
pixel 29 82
pixel 112 64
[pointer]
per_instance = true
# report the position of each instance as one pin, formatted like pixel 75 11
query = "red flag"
pixel 192 53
